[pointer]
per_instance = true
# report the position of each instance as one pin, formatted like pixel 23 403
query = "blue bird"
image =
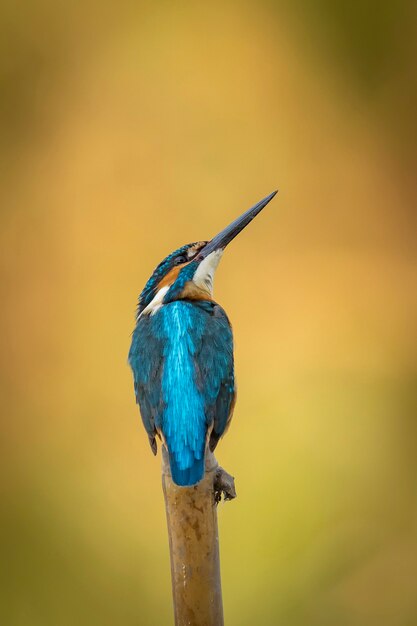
pixel 182 354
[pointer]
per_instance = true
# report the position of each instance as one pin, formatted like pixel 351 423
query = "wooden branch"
pixel 194 543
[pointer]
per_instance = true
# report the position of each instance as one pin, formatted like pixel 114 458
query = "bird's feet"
pixel 224 484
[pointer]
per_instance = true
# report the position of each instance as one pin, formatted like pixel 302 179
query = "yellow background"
pixel 127 130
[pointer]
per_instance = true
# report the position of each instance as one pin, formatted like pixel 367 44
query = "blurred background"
pixel 128 129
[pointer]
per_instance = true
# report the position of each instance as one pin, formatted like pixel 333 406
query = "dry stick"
pixel 194 543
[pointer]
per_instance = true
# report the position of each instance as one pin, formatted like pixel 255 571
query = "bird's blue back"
pixel 182 361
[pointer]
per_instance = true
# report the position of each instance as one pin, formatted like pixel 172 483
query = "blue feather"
pixel 182 361
pixel 184 422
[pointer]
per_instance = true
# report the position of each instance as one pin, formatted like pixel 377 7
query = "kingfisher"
pixel 181 354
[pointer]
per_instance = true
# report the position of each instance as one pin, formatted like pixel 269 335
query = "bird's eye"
pixel 180 259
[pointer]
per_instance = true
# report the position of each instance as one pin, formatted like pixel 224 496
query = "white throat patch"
pixel 204 274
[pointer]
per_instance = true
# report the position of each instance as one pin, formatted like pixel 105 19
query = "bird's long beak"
pixel 220 241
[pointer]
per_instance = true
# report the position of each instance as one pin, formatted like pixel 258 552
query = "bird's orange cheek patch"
pixel 190 291
pixel 171 276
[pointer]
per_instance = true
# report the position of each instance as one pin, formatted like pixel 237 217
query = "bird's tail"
pixel 186 476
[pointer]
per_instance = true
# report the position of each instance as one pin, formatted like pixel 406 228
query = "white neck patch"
pixel 156 303
pixel 204 274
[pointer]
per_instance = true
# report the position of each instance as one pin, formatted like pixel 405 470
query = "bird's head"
pixel 188 273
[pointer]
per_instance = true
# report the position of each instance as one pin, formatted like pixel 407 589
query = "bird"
pixel 181 354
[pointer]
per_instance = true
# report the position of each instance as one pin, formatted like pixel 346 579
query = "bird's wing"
pixel 215 370
pixel 146 361
pixel 211 350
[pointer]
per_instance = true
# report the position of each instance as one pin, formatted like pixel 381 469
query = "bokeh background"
pixel 128 129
